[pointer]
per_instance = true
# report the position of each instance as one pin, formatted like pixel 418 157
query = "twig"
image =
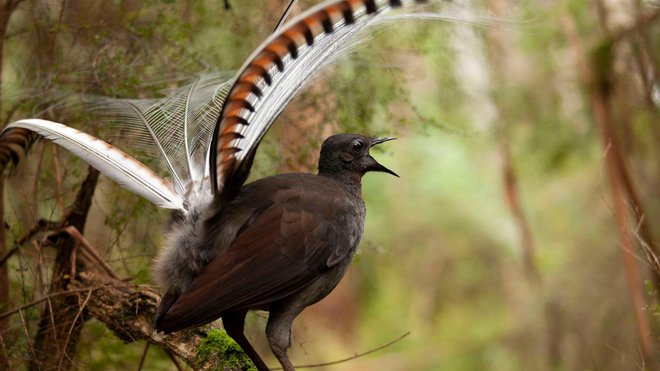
pixel 27 336
pixel 144 356
pixel 56 294
pixel 73 260
pixel 512 194
pixel 42 225
pixel 285 15
pixel 96 62
pixel 650 254
pixel 357 355
pixel 176 363
pixel 73 326
pixel 8 255
pixel 38 270
pixel 35 186
pixel 4 348
pixel 58 179
pixel 52 317
pixel 89 248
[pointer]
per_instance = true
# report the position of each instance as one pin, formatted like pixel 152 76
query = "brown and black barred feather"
pixel 231 152
pixel 14 145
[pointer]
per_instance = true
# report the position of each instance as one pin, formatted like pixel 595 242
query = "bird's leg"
pixel 234 323
pixel 278 331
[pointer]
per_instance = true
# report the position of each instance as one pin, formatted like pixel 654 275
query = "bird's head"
pixel 343 153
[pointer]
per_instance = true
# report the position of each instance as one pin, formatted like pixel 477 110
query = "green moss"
pixel 221 349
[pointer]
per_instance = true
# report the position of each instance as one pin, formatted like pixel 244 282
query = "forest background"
pixel 520 235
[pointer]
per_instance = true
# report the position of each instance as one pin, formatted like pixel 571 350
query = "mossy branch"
pixel 128 311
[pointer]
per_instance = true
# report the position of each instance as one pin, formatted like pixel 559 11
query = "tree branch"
pixel 594 67
pixel 129 312
pixel 40 226
pixel 357 355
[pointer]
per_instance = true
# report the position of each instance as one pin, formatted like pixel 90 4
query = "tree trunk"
pixel 63 317
pixel 6 10
pixel 4 275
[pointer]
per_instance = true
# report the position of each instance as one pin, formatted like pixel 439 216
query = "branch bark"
pixel 516 208
pixel 129 310
pixel 603 117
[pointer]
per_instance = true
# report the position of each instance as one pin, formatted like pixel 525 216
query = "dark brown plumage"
pixel 297 237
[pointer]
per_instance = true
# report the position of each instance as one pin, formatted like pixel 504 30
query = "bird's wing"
pixel 282 250
pixel 131 174
pixel 277 70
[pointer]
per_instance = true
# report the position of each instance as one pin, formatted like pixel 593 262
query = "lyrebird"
pixel 278 244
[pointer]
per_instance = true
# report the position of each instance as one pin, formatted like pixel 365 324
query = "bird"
pixel 287 241
pixel 280 243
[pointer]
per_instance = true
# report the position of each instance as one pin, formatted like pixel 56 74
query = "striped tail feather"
pixel 15 142
pixel 274 73
pixel 130 173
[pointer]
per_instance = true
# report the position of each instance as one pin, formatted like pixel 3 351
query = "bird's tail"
pixel 275 72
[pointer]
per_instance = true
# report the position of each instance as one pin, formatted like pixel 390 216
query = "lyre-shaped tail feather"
pixel 112 162
pixel 274 73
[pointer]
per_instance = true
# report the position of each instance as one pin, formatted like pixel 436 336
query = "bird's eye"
pixel 358 145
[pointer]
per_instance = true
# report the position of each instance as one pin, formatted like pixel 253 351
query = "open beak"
pixel 375 141
pixel 375 166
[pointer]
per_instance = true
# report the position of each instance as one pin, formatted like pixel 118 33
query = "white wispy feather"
pixel 176 129
pixel 112 162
